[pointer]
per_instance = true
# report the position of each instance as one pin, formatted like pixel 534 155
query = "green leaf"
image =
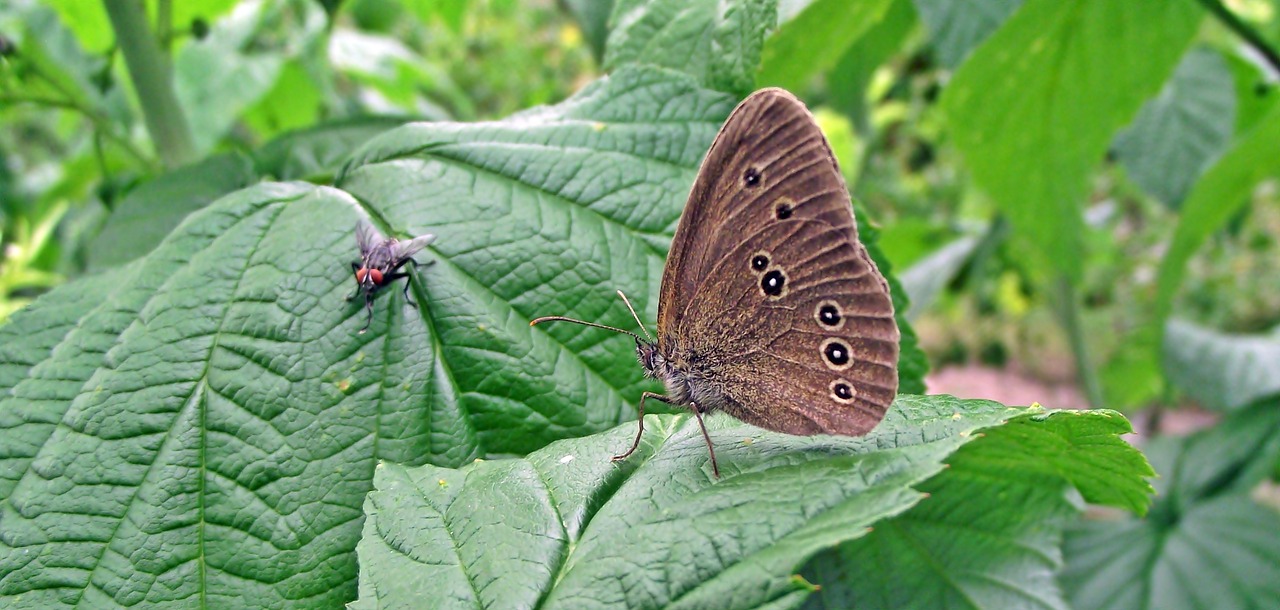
pixel 848 80
pixel 292 103
pixel 1034 108
pixel 718 43
pixel 988 534
pixel 1222 192
pixel 148 213
pixel 218 78
pixel 88 21
pixel 957 26
pixel 1219 370
pixel 318 152
pixel 926 279
pixel 566 528
pixel 812 42
pixel 1255 93
pixel 1180 131
pixel 593 17
pixel 65 70
pixel 1206 543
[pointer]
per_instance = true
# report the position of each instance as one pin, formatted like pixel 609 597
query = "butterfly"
pixel 770 308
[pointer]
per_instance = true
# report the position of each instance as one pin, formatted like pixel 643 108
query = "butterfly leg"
pixel 640 430
pixel 697 412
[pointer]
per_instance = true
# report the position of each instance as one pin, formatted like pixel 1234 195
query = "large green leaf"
pixel 716 42
pixel 151 211
pixel 1220 370
pixel 989 534
pixel 1034 108
pixel 1180 131
pixel 812 41
pixel 957 26
pixel 1206 544
pixel 566 528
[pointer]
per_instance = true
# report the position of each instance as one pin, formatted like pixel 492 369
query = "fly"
pixel 380 261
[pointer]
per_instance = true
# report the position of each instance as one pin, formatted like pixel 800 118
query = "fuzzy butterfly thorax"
pixel 685 382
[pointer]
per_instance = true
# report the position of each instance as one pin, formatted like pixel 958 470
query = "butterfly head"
pixel 649 357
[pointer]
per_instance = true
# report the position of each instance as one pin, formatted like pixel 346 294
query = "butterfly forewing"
pixel 767 289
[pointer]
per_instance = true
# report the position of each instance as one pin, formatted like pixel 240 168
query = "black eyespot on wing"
pixel 829 315
pixel 759 262
pixel 836 352
pixel 773 282
pixel 751 177
pixel 783 211
pixel 842 391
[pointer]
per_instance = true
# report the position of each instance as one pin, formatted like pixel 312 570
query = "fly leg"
pixel 368 305
pixel 391 277
pixel 355 268
pixel 395 276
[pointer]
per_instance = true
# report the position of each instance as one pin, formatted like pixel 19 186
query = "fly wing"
pixel 366 237
pixel 405 249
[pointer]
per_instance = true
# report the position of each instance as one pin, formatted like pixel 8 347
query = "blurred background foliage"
pixel 1179 222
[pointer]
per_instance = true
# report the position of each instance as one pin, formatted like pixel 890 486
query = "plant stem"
pixel 1069 309
pixel 153 82
pixel 164 24
pixel 1242 29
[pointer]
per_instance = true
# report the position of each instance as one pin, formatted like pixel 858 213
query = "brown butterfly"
pixel 771 310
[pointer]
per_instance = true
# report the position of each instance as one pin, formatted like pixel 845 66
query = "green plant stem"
pixel 1069 309
pixel 101 124
pixel 164 24
pixel 152 79
pixel 1242 29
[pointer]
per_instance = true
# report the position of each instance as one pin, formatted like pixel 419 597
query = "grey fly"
pixel 380 261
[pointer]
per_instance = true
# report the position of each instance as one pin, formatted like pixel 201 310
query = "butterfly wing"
pixel 803 344
pixel 769 153
pixel 802 340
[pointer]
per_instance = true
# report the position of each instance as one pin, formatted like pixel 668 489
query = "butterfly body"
pixel 770 308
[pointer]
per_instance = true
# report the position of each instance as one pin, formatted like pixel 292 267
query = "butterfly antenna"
pixel 633 315
pixel 593 324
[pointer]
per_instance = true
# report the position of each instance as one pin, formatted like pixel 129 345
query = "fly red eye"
pixel 360 273
pixel 376 275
